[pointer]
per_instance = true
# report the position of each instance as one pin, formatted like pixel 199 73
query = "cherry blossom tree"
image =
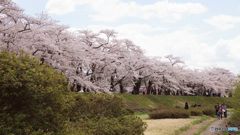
pixel 99 61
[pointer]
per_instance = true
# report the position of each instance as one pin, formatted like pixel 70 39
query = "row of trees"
pixel 100 61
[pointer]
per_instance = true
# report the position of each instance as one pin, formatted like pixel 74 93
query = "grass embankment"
pixel 152 101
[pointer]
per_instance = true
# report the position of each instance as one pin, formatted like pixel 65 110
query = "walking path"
pixel 195 128
pixel 218 123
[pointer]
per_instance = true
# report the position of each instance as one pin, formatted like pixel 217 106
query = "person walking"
pixel 220 111
pixel 216 107
pixel 224 107
pixel 144 91
pixel 186 105
pixel 155 91
pixel 151 91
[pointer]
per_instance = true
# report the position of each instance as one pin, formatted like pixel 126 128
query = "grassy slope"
pixel 150 101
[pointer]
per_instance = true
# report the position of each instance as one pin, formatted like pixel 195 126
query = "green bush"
pixel 130 110
pixel 169 113
pixel 196 112
pixel 235 119
pixel 33 97
pixel 128 125
pixel 35 100
pixel 90 105
pixel 209 111
pixel 229 105
pixel 102 114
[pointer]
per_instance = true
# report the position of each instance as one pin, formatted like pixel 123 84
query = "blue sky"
pixel 203 33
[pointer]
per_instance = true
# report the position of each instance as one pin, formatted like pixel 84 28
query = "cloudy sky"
pixel 202 32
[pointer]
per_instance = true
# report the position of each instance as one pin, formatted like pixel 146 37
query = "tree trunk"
pixel 177 92
pixel 149 87
pixel 204 93
pixel 137 86
pixel 165 91
pixel 159 91
pixel 78 87
pixel 121 87
pixel 168 92
pixel 112 83
pixel 181 92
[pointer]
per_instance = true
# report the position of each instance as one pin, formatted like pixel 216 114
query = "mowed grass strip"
pixel 147 101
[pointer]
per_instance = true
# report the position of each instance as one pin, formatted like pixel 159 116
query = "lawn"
pixel 151 101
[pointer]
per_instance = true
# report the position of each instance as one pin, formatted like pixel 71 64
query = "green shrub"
pixel 128 125
pixel 229 105
pixel 235 119
pixel 196 112
pixel 209 111
pixel 154 109
pixel 130 110
pixel 169 113
pixel 102 114
pixel 33 97
pixel 90 105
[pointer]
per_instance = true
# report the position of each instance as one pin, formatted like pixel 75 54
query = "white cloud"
pixel 109 11
pixel 223 22
pixel 231 47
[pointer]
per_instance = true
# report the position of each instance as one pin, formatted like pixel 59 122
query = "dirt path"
pixel 218 123
pixel 195 128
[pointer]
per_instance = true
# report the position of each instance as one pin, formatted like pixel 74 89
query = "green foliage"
pixel 209 111
pixel 102 114
pixel 90 105
pixel 169 113
pixel 196 112
pixel 230 94
pixel 235 119
pixel 35 100
pixel 128 125
pixel 130 110
pixel 33 97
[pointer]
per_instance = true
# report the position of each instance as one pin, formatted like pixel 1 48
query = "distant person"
pixel 224 107
pixel 133 92
pixel 151 91
pixel 84 89
pixel 195 105
pixel 216 107
pixel 155 92
pixel 220 111
pixel 186 105
pixel 144 91
pixel 198 104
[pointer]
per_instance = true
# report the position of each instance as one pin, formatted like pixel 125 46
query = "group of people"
pixel 221 109
pixel 196 105
pixel 153 92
